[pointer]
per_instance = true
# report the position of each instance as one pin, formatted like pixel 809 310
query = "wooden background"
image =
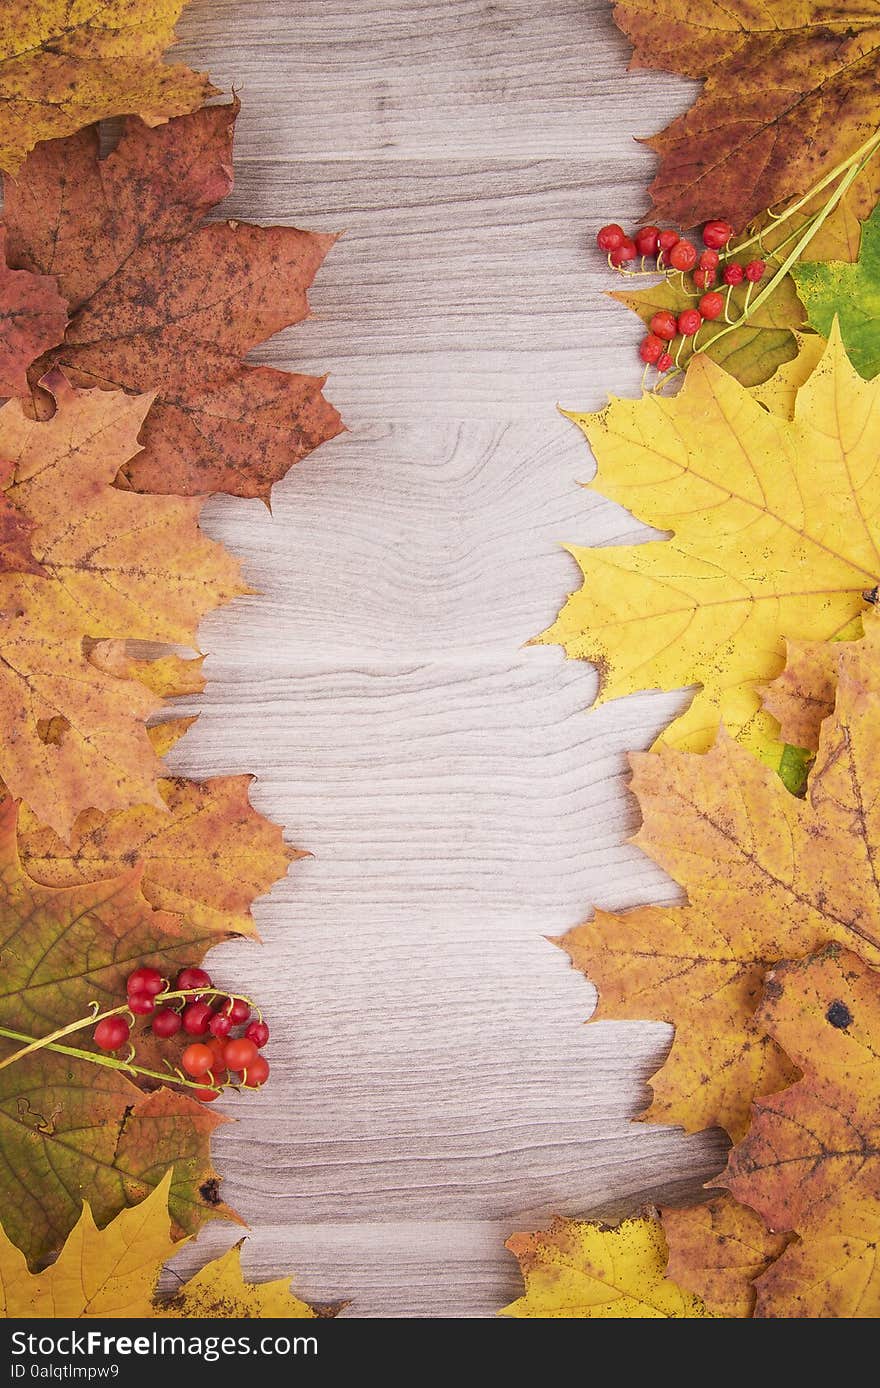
pixel 434 1087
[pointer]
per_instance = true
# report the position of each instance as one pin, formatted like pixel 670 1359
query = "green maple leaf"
pixel 852 293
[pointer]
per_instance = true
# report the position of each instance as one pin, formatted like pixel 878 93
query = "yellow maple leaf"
pixel 579 1270
pixel 779 393
pixel 65 65
pixel 775 531
pixel 114 1272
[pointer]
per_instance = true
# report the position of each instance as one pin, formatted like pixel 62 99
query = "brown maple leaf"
pixel 160 300
pixel 810 1163
pixel 33 317
pixel 113 564
pixel 717 1249
pixel 64 65
pixel 768 876
pixel 68 1125
pixel 789 91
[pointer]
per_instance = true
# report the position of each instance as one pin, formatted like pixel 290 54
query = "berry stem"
pixel 97 1016
pixel 110 1062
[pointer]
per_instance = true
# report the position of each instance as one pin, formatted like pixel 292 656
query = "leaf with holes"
pixel 113 565
pixel 68 1126
pixel 767 876
pixel 162 301
pixel 114 1272
pixel 810 1163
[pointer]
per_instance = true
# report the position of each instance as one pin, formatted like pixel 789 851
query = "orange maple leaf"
pixel 113 564
pixel 160 300
pixel 810 1163
pixel 768 876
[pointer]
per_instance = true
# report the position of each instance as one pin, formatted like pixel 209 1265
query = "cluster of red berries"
pixel 201 1011
pixel 674 253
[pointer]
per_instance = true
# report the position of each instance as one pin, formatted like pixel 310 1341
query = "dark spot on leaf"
pixel 839 1015
pixel 210 1191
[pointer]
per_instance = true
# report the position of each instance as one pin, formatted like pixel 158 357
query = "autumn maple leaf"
pixel 768 877
pixel 774 533
pixel 810 1163
pixel 160 300
pixel 112 565
pixel 114 1272
pixel 717 1250
pixel 585 1271
pixel 68 1124
pixel 789 91
pixel 64 66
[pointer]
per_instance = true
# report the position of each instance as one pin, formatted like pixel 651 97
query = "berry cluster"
pixel 675 255
pixel 196 1009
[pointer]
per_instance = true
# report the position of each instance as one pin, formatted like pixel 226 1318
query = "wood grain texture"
pixel 434 1087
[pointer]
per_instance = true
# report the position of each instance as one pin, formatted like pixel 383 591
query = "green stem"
pixel 49 1041
pixel 111 1062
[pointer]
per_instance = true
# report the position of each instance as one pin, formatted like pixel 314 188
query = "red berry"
pixel 258 1071
pixel 220 1025
pixel 709 260
pixel 189 979
pixel 207 1096
pixel 196 1017
pixel 717 234
pixel 112 1033
pixel 610 237
pixel 664 361
pixel 689 322
pixel 141 1004
pixel 145 981
pixel 650 348
pixel 166 1023
pixel 755 270
pixel 733 274
pixel 237 1010
pixel 704 278
pixel 683 256
pixel 197 1060
pixel 217 1046
pixel 239 1054
pixel 711 305
pixel 258 1032
pixel 663 325
pixel 667 240
pixel 647 240
pixel 624 252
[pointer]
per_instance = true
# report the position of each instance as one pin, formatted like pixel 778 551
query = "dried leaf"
pixel 115 565
pixel 576 1270
pixel 767 876
pixel 811 1161
pixel 68 1125
pixel 162 301
pixel 33 317
pixel 219 1290
pixel 67 65
pixel 717 1249
pixel 851 294
pixel 770 73
pixel 775 533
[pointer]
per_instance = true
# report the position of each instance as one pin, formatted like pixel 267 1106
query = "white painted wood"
pixel 434 1087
